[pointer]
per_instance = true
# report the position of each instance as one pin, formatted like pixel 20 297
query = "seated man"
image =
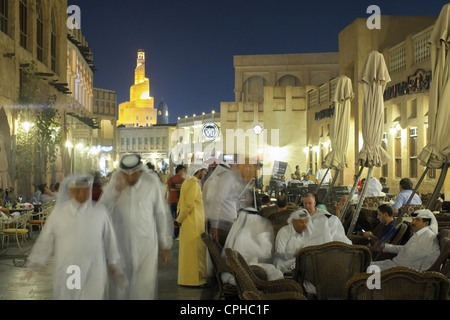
pixel 306 180
pixel 406 187
pixel 387 222
pixel 252 236
pixel 6 215
pixel 421 250
pixel 290 239
pixel 324 222
pixel 281 203
pixel 265 202
pixel 46 195
pixel 293 180
pixel 374 188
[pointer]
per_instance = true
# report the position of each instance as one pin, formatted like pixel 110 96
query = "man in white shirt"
pixel 421 250
pixel 325 224
pixel 321 173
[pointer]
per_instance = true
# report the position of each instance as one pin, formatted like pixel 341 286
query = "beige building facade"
pixel 271 93
pixel 406 98
pixel 197 139
pixel 152 143
pixel 33 51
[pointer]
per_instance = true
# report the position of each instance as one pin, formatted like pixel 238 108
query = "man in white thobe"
pixel 421 250
pixel 143 224
pixel 323 174
pixel 221 201
pixel 290 239
pixel 325 224
pixel 82 239
pixel 252 236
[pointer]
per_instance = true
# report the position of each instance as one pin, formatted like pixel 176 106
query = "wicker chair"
pixel 410 209
pixel 373 202
pixel 247 281
pixel 329 266
pixel 442 263
pixel 279 220
pixel 268 211
pixel 220 266
pixel 399 283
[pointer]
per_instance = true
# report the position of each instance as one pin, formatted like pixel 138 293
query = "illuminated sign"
pixel 210 131
pixel 257 129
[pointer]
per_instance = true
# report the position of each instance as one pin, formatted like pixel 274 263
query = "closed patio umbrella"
pixel 337 158
pixel 436 153
pixel 374 78
pixel 5 180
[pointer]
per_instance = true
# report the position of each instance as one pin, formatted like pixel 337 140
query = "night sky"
pixel 190 44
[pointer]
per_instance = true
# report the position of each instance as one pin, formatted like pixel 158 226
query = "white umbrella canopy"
pixel 337 158
pixel 437 150
pixel 374 78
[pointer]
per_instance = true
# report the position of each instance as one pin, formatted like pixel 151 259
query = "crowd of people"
pixel 118 240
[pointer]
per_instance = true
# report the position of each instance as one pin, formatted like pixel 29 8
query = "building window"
pixel 53 43
pixel 398 154
pixel 39 32
pixel 413 153
pixel 4 16
pixel 122 142
pixel 397 58
pixel 23 23
pixel 421 49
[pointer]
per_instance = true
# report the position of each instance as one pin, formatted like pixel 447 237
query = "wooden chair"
pixel 442 263
pixel 247 281
pixel 220 266
pixel 329 266
pixel 398 283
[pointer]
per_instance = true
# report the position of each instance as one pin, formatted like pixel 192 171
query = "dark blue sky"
pixel 190 44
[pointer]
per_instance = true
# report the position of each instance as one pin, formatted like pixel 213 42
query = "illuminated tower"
pixel 139 111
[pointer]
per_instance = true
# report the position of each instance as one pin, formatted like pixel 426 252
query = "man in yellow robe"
pixel 191 218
